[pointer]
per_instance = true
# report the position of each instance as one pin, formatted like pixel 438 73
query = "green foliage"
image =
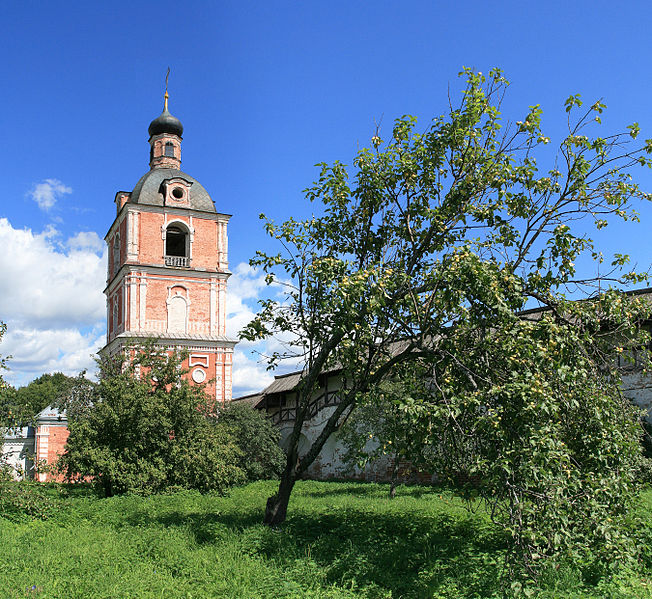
pixel 22 501
pixel 343 540
pixel 144 429
pixel 383 423
pixel 532 414
pixel 7 418
pixel 257 438
pixel 46 390
pixel 427 251
pixel 19 407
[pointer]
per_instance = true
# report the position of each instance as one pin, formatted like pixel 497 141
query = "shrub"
pixel 257 438
pixel 26 500
pixel 145 428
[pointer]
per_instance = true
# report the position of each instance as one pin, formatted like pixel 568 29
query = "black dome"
pixel 166 123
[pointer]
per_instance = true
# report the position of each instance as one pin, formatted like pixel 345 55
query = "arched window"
pixel 176 242
pixel 115 314
pixel 177 314
pixel 169 149
pixel 177 246
pixel 116 253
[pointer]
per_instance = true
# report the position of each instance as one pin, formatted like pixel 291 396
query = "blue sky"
pixel 265 90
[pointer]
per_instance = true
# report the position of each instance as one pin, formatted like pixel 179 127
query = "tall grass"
pixel 341 540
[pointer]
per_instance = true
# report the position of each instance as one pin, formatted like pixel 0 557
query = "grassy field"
pixel 341 540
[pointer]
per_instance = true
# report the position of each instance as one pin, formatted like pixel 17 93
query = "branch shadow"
pixel 405 554
pixel 355 488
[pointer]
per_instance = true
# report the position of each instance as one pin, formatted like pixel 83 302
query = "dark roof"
pixel 148 189
pixel 249 400
pixel 166 123
pixel 283 383
pixel 536 313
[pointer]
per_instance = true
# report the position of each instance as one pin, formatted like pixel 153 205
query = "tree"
pixel 46 390
pixel 442 238
pixel 22 405
pixel 144 428
pixel 384 421
pixel 532 415
pixel 7 415
pixel 257 438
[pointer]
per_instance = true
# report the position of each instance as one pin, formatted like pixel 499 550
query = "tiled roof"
pixel 148 189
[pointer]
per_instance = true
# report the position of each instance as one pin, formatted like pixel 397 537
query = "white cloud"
pixel 86 240
pixel 37 351
pixel 49 293
pixel 46 286
pixel 45 194
pixel 250 373
pixel 244 288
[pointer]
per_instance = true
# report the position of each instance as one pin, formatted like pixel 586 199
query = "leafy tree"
pixel 257 438
pixel 8 411
pixel 7 415
pixel 6 391
pixel 22 405
pixel 144 428
pixel 384 421
pixel 439 243
pixel 46 390
pixel 532 415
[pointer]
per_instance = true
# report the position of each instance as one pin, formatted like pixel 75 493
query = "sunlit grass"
pixel 340 540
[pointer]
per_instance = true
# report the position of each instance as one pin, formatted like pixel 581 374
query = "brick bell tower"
pixel 167 265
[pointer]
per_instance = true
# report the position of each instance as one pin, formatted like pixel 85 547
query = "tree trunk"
pixel 277 505
pixel 394 480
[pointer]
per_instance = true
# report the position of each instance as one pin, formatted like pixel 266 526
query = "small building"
pixel 18 451
pixel 50 442
pixel 279 401
pixel 30 451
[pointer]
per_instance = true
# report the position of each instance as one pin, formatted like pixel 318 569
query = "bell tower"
pixel 167 267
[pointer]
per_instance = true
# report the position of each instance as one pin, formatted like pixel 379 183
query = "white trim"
pixel 198 360
pixel 162 273
pixel 213 308
pixel 142 314
pixel 133 302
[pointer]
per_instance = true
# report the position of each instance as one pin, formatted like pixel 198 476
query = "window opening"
pixel 175 242
pixel 116 253
pixel 169 149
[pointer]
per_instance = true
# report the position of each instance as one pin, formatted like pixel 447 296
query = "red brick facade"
pixel 51 436
pixel 166 279
pixel 168 269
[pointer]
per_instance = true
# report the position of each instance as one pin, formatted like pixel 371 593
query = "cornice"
pixel 167 340
pixel 215 216
pixel 174 273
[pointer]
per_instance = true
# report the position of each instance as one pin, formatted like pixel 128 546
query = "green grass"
pixel 340 540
